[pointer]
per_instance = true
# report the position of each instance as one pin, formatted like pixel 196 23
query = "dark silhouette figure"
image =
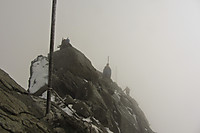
pixel 107 71
pixel 64 44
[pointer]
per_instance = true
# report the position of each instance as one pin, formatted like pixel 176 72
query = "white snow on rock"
pixel 87 119
pixel 108 130
pixel 85 80
pixel 118 127
pixel 97 121
pixel 44 95
pixel 97 130
pixel 69 110
pixel 39 75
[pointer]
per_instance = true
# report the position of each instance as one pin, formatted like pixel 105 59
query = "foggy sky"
pixel 153 47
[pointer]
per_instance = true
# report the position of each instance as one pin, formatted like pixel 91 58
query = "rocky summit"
pixel 83 101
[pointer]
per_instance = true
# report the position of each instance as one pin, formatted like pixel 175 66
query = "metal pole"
pixel 53 19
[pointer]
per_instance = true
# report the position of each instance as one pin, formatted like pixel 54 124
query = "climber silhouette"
pixel 65 43
pixel 107 70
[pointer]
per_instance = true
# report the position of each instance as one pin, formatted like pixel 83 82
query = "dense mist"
pixel 153 48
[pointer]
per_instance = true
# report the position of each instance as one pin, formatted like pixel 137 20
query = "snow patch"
pixel 39 76
pixel 97 130
pixel 87 119
pixel 53 98
pixel 85 80
pixel 108 130
pixel 118 127
pixel 44 95
pixel 68 111
pixel 97 121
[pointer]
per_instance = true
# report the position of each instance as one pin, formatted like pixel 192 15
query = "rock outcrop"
pixel 24 113
pixel 86 97
pixel 18 111
pixel 83 101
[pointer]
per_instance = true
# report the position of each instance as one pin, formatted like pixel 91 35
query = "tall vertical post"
pixel 52 36
pixel 108 59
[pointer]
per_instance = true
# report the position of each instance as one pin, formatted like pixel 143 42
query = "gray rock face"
pixel 94 99
pixel 23 113
pixel 17 114
pixel 91 103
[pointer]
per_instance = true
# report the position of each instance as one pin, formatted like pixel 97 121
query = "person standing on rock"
pixel 107 71
pixel 65 43
pixel 127 91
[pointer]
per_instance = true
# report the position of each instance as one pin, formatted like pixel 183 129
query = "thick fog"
pixel 154 49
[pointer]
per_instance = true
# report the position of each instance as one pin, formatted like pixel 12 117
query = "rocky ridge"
pixel 82 102
pixel 24 113
pixel 16 109
pixel 87 96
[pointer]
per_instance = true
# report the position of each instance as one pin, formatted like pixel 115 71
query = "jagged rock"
pixel 69 100
pixel 101 102
pixel 82 109
pixel 23 113
pixel 18 111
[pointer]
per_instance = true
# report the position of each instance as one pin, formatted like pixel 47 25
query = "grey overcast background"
pixel 154 48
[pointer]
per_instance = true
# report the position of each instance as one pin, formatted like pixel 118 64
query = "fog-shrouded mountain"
pixel 83 100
